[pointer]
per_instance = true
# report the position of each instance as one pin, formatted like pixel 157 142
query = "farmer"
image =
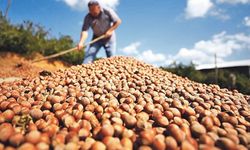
pixel 103 22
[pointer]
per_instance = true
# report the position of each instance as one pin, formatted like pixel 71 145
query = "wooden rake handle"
pixel 68 51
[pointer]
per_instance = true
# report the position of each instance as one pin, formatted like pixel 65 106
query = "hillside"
pixel 14 66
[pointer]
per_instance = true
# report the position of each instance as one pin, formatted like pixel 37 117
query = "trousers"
pixel 109 46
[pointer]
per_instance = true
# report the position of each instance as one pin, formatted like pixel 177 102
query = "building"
pixel 241 66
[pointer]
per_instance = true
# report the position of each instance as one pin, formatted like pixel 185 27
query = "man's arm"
pixel 116 21
pixel 84 33
pixel 114 26
pixel 84 36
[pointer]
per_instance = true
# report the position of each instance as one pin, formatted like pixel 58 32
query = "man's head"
pixel 94 8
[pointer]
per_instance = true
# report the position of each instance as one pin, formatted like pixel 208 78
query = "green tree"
pixel 224 79
pixel 29 38
pixel 185 71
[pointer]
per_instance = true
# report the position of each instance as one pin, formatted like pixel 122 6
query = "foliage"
pixel 242 81
pixel 29 38
pixel 186 71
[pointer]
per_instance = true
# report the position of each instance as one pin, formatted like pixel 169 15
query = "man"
pixel 103 22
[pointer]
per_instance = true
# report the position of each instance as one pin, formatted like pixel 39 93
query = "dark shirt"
pixel 102 23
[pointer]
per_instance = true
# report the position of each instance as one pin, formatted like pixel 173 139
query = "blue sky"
pixel 155 31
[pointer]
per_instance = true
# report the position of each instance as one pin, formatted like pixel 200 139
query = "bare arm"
pixel 84 36
pixel 115 25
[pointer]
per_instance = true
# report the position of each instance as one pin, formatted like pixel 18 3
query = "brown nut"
pixel 98 146
pixel 176 132
pixel 6 131
pixel 107 130
pixel 33 137
pixel 159 142
pixel 171 143
pixel 197 129
pixel 36 113
pixel 225 143
pixel 16 139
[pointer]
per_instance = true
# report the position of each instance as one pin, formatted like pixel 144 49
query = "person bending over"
pixel 103 21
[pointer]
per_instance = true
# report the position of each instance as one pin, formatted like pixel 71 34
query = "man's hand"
pixel 80 46
pixel 84 36
pixel 108 34
pixel 111 30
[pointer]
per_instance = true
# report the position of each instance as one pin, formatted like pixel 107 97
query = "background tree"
pixel 29 38
pixel 7 8
pixel 242 82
